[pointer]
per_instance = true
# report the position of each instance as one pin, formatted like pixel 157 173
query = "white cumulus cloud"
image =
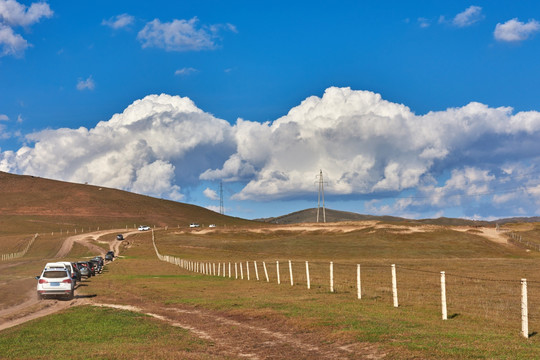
pixel 367 147
pixel 514 30
pixel 13 14
pixel 155 146
pixel 11 43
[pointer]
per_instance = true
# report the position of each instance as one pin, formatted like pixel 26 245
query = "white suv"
pixel 144 228
pixel 55 282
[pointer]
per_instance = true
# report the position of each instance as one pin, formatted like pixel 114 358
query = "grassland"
pixel 483 288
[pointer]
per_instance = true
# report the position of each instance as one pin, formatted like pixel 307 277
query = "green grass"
pixel 90 332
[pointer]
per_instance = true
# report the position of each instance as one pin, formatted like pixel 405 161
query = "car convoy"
pixel 58 279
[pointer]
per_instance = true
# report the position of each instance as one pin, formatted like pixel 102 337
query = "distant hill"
pixel 37 204
pixel 310 216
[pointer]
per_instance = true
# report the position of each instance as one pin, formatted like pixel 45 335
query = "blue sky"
pixel 417 109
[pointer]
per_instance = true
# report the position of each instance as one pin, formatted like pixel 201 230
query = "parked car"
pixel 55 282
pixel 194 225
pixel 109 256
pixel 144 228
pixel 99 259
pixel 120 237
pixel 72 271
pixel 89 266
pixel 96 266
pixel 84 269
pixel 212 225
pixel 60 265
pixel 77 271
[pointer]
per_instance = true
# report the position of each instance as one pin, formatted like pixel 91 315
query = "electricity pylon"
pixel 221 208
pixel 321 195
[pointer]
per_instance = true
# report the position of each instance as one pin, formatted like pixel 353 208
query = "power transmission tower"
pixel 221 208
pixel 321 195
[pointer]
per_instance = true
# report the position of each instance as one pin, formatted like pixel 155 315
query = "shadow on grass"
pixel 453 316
pixel 85 296
pixel 534 333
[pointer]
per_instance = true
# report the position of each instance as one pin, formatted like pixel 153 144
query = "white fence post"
pixel 214 266
pixel 236 270
pixel 524 310
pixel 443 295
pixel 307 276
pixel 247 269
pixel 277 270
pixel 219 269
pixel 229 269
pixel 358 281
pixel 331 276
pixel 241 271
pixel 290 272
pixel 256 270
pixel 265 272
pixel 394 285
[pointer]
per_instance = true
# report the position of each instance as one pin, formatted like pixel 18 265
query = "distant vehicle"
pixel 120 237
pixel 212 225
pixel 109 256
pixel 194 225
pixel 144 228
pixel 55 282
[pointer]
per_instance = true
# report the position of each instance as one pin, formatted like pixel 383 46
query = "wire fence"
pixel 15 255
pixel 449 294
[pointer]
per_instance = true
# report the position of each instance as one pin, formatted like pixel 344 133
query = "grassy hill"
pixel 310 215
pixel 36 204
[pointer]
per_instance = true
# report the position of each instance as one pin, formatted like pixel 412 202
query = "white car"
pixel 212 225
pixel 55 282
pixel 60 265
pixel 193 225
pixel 144 228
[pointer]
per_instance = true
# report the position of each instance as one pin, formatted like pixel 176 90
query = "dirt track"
pixel 32 308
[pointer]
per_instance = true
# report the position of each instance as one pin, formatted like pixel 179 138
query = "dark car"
pixel 99 259
pixel 84 268
pixel 96 266
pixel 109 256
pixel 120 237
pixel 91 266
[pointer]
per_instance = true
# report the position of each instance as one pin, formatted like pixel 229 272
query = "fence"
pixel 518 240
pixel 433 291
pixel 21 253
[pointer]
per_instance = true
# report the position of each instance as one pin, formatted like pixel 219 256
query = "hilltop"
pixel 36 203
pixel 310 216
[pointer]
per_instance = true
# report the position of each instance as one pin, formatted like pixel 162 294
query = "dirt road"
pixel 31 308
